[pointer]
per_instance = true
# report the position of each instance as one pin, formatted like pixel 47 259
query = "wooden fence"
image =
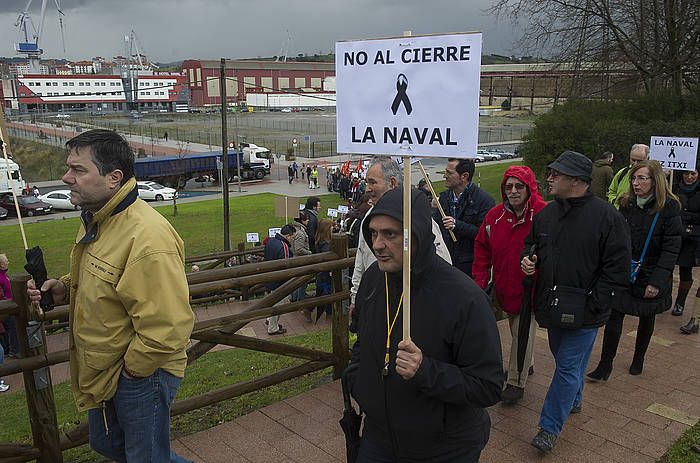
pixel 49 441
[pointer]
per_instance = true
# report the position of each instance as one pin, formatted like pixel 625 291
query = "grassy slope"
pixel 37 161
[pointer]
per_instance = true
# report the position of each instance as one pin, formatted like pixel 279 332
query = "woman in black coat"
pixel 650 293
pixel 688 190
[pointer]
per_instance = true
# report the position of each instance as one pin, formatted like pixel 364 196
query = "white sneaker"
pixel 3 387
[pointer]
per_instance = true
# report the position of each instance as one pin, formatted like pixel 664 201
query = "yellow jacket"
pixel 128 298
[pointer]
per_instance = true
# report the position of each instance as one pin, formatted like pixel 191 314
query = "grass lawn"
pixel 212 371
pixel 199 224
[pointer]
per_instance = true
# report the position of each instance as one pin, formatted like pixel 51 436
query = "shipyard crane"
pixel 31 36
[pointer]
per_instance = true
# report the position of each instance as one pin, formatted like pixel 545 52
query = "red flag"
pixel 359 167
pixel 345 168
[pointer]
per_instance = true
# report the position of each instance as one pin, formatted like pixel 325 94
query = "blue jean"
pixel 10 324
pixel 299 294
pixel 571 350
pixel 134 426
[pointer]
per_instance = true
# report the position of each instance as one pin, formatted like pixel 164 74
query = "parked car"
pixel 28 205
pixel 501 153
pixel 487 155
pixel 286 110
pixel 59 199
pixel 155 191
pixel 478 158
pixel 3 213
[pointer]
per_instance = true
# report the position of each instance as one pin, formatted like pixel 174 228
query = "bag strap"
pixel 646 243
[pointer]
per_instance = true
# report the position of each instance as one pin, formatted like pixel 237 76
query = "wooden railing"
pixel 49 442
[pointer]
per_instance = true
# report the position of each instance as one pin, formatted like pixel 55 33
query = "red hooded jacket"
pixel 500 242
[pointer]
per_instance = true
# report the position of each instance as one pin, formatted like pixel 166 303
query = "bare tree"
pixel 656 40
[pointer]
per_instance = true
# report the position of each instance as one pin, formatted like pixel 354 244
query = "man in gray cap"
pixel 579 245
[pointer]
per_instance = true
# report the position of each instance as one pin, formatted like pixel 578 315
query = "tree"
pixel 657 41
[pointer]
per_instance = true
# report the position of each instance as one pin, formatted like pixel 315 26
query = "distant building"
pixel 252 76
pixel 17 69
pixel 100 93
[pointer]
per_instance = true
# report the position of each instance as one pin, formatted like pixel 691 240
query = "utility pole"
pixel 224 153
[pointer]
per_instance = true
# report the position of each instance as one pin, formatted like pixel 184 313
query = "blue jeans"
pixel 10 324
pixel 571 350
pixel 299 294
pixel 134 426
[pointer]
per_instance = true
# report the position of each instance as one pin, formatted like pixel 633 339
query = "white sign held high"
pixel 252 238
pixel 343 209
pixel 332 212
pixel 409 96
pixel 271 232
pixel 677 153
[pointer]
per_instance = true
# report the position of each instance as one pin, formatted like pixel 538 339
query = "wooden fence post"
pixel 37 383
pixel 341 348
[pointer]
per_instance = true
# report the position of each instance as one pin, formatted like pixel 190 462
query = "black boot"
pixel 644 333
pixel 683 288
pixel 601 373
pixel 691 327
pixel 677 310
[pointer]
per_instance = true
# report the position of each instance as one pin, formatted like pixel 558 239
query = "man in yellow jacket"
pixel 130 316
pixel 620 183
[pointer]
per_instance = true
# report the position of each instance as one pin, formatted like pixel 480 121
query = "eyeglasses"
pixel 554 174
pixel 639 178
pixel 514 186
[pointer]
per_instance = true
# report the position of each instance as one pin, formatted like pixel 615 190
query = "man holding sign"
pixel 424 398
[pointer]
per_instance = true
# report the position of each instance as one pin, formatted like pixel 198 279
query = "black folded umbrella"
pixel 524 321
pixel 37 269
pixel 351 421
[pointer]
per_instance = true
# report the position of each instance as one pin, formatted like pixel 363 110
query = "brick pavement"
pixel 614 426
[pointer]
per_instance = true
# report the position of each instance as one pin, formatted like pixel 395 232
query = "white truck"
pixel 10 177
pixel 253 153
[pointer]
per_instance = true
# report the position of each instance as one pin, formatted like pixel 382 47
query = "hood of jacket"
pixel 391 204
pixel 601 163
pixel 527 176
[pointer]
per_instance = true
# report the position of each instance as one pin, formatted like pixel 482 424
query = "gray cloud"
pixel 179 29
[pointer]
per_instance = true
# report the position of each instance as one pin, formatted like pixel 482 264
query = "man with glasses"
pixel 620 183
pixel 465 206
pixel 582 260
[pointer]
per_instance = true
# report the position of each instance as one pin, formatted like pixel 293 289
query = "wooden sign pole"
pixel 432 190
pixel 5 145
pixel 407 247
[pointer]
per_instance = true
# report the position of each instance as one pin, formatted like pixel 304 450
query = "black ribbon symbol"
pixel 401 96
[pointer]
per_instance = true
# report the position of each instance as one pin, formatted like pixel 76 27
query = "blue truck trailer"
pixel 175 171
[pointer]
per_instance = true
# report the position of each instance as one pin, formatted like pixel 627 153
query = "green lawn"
pixel 200 224
pixel 212 371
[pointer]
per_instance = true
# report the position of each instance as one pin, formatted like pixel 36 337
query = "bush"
pixel 592 127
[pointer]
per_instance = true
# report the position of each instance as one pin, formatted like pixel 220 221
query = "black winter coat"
pixel 277 248
pixel 690 211
pixel 660 258
pixel 440 412
pixel 583 243
pixel 311 229
pixel 472 207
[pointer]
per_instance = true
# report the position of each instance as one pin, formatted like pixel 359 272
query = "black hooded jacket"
pixel 440 412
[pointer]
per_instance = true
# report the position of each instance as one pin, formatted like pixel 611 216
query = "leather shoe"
pixel 691 327
pixel 512 394
pixel 677 310
pixel 576 408
pixel 636 368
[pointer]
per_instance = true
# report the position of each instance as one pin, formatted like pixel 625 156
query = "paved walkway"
pixel 628 419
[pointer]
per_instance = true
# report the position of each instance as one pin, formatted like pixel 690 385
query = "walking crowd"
pixel 424 398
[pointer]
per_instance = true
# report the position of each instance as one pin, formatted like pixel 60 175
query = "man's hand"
pixel 651 292
pixel 527 265
pixel 408 359
pixel 448 222
pixel 57 288
pixel 351 309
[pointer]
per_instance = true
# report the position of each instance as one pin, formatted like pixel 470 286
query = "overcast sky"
pixel 170 30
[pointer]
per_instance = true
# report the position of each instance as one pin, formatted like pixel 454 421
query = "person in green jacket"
pixel 620 183
pixel 602 175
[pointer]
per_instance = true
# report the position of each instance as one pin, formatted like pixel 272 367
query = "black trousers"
pixel 613 332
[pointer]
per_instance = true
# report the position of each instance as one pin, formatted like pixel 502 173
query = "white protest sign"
pixel 271 232
pixel 252 238
pixel 409 96
pixel 302 207
pixel 343 209
pixel 332 212
pixel 674 152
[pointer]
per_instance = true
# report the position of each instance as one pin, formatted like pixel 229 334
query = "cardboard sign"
pixel 409 96
pixel 674 152
pixel 271 232
pixel 343 209
pixel 252 238
pixel 332 212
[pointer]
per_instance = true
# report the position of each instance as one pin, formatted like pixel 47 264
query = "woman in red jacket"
pixel 497 250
